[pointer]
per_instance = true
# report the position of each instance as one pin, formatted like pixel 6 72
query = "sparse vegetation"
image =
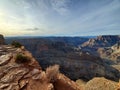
pixel 52 72
pixel 16 44
pixel 21 58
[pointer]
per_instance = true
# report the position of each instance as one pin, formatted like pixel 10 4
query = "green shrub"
pixel 21 58
pixel 16 44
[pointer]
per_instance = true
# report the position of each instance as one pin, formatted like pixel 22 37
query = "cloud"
pixel 101 19
pixel 35 29
pixel 61 6
pixel 59 17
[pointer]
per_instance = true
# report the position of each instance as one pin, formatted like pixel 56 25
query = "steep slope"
pixel 26 74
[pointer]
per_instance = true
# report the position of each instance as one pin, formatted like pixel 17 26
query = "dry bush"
pixel 52 72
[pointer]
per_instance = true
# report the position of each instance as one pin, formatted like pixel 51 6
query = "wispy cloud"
pixel 61 6
pixel 60 17
pixel 102 19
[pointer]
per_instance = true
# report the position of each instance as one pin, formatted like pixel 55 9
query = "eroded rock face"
pixel 110 53
pixel 107 47
pixel 102 41
pixel 2 41
pixel 28 76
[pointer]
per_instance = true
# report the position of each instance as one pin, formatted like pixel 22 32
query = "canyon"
pixel 88 61
pixel 79 58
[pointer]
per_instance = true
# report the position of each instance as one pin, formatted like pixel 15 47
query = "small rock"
pixel 50 87
pixel 3 86
pixel 35 71
pixel 23 83
pixel 23 48
pixel 4 59
pixel 19 50
pixel 35 77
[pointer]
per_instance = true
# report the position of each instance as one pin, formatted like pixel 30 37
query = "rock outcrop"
pixel 2 41
pixel 29 75
pixel 106 47
pixel 110 53
pixel 102 41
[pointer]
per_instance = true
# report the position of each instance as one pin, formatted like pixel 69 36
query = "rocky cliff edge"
pixel 28 75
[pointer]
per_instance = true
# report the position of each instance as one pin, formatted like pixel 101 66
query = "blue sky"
pixel 59 17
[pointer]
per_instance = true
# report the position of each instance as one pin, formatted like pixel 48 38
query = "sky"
pixel 59 17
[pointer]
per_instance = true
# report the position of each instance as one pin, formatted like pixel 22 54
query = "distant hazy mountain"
pixel 68 40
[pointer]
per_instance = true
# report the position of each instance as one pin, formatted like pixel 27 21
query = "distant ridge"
pixel 102 41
